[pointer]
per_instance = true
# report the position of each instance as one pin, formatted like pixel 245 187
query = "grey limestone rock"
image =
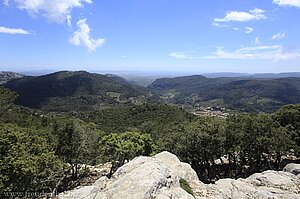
pixel 292 168
pixel 142 178
pixel 158 178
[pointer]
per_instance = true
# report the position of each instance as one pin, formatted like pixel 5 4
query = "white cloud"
pixel 274 53
pixel 219 25
pixel 183 55
pixel 286 53
pixel 69 20
pixel 287 3
pixel 82 37
pixel 13 31
pixel 257 41
pixel 278 36
pixel 248 30
pixel 223 54
pixel 255 14
pixel 6 2
pixel 54 10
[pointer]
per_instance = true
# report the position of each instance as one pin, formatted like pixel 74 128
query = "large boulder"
pixel 158 178
pixel 292 168
pixel 142 178
pixel 268 184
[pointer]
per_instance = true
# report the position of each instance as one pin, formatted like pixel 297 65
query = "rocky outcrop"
pixel 97 170
pixel 143 177
pixel 268 184
pixel 292 168
pixel 158 178
pixel 7 76
pixel 93 173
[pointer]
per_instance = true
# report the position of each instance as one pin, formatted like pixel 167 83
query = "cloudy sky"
pixel 150 35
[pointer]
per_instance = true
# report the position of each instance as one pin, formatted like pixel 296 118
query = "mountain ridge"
pixel 79 88
pixel 244 94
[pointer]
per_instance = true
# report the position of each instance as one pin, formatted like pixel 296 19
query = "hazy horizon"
pixel 150 73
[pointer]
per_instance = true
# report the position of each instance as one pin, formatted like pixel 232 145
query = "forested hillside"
pixel 149 99
pixel 237 93
pixel 83 118
pixel 79 90
pixel 42 150
pixel 65 91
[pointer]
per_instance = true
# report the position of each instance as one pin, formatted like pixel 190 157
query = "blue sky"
pixel 150 35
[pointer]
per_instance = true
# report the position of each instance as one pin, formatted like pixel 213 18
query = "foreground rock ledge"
pixel 158 178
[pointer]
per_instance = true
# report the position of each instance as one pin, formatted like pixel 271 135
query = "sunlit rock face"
pixel 158 178
pixel 268 184
pixel 143 177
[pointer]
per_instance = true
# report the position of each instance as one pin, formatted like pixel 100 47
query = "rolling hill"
pixel 78 90
pixel 231 92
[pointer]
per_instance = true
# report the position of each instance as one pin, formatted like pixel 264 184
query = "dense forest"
pixel 149 99
pixel 247 94
pixel 41 149
pixel 79 90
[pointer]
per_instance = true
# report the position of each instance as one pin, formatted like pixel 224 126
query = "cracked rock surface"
pixel 265 185
pixel 158 178
pixel 142 178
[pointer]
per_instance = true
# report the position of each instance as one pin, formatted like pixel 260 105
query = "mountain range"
pixel 236 93
pixel 78 90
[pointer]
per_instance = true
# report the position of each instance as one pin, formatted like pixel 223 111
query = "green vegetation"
pixel 7 97
pixel 41 150
pixel 146 117
pixel 27 160
pixel 185 186
pixel 289 117
pixel 69 91
pixel 242 144
pixel 118 148
pixel 81 91
pixel 248 95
